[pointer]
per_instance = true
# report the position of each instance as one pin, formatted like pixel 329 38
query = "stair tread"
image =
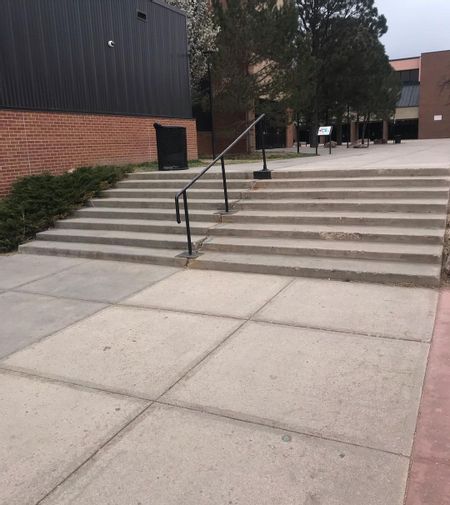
pixel 141 222
pixel 390 200
pixel 368 178
pixel 116 234
pixel 330 244
pixel 219 201
pixel 133 210
pixel 130 251
pixel 336 228
pixel 356 213
pixel 325 263
pixel 168 190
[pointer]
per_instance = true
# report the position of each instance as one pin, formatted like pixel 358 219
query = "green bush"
pixel 36 202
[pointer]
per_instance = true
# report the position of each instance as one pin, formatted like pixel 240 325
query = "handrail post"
pixel 265 173
pixel 263 144
pixel 225 189
pixel 188 226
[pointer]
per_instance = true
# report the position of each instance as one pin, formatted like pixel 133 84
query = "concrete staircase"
pixel 366 225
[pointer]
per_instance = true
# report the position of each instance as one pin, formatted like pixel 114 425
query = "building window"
pixel 409 76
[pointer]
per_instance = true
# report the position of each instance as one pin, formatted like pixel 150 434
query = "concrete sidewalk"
pixel 129 384
pixel 408 154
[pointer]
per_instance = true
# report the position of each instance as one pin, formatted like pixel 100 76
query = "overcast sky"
pixel 415 26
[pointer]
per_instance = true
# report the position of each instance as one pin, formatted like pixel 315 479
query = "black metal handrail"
pixel 224 180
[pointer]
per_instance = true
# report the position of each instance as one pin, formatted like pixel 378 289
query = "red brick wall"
pixel 434 97
pixel 34 142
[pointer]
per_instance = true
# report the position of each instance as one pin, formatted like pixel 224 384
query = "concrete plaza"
pixel 124 383
pixel 129 384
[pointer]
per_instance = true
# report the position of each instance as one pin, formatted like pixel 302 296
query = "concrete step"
pixel 385 251
pixel 390 272
pixel 359 172
pixel 351 205
pixel 358 193
pixel 336 218
pixel 344 182
pixel 326 232
pixel 186 175
pixel 209 216
pixel 158 203
pixel 105 252
pixel 132 225
pixel 176 185
pixel 113 237
pixel 193 194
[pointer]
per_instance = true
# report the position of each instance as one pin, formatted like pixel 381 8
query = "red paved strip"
pixel 429 478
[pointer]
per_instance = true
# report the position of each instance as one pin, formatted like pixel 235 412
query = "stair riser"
pixel 138 242
pixel 334 195
pixel 372 237
pixel 341 206
pixel 356 183
pixel 361 173
pixel 214 174
pixel 144 228
pixel 192 195
pixel 213 185
pixel 325 253
pixel 169 204
pixel 156 216
pixel 156 260
pixel 349 221
pixel 416 280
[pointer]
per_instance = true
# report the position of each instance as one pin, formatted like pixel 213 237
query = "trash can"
pixel 172 147
pixel 398 139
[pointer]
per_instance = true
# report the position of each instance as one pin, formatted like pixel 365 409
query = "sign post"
pixel 325 131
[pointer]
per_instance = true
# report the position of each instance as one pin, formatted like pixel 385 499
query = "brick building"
pixel 82 83
pixel 423 110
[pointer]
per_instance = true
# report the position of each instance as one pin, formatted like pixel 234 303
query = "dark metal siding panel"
pixel 54 56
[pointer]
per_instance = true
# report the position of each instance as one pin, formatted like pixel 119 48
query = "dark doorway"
pixel 408 129
pixel 275 135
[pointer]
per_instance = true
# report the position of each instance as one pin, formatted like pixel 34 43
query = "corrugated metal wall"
pixel 54 55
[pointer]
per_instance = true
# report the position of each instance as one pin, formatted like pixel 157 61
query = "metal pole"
pixel 263 144
pixel 298 134
pixel 329 141
pixel 188 226
pixel 213 149
pixel 348 125
pixel 224 179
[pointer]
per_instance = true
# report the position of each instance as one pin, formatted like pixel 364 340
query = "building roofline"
pixel 408 58
pixel 440 51
pixel 169 7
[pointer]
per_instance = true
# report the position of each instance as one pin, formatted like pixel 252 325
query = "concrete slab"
pixel 371 309
pixel 174 457
pixel 355 389
pixel 212 292
pixel 17 269
pixel 105 281
pixel 27 317
pixel 125 349
pixel 48 430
